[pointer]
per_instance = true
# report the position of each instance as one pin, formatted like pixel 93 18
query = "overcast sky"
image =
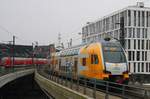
pixel 42 20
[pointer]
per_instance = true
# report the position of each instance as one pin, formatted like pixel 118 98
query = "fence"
pixel 92 87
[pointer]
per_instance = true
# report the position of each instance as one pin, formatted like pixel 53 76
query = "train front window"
pixel 114 54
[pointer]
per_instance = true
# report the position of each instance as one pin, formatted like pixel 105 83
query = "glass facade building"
pixel 136 34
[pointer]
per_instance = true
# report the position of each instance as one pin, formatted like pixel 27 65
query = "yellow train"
pixel 102 60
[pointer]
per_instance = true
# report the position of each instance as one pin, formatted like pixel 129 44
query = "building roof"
pixel 133 7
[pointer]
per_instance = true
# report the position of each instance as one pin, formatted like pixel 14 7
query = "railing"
pixel 93 87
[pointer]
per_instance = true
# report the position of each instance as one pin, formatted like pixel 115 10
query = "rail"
pixel 93 87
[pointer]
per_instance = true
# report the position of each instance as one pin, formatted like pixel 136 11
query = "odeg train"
pixel 102 60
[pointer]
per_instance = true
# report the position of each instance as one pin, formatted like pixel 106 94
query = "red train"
pixel 20 61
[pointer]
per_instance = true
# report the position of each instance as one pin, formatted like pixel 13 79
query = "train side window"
pixel 83 61
pixel 94 59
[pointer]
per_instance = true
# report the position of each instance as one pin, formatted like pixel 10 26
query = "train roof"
pixel 102 41
pixel 75 49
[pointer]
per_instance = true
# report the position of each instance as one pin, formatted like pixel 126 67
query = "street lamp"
pixel 33 53
pixel 13 61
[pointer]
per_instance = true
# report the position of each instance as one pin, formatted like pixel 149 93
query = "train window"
pixel 83 61
pixel 113 54
pixel 94 59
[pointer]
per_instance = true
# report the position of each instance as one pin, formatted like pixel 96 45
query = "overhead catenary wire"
pixel 72 36
pixel 11 34
pixel 6 30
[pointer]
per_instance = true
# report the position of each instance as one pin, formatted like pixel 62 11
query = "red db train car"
pixel 20 61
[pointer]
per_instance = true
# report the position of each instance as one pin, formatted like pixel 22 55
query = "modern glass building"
pixel 130 25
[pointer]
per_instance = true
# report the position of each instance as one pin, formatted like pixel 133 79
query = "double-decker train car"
pixel 20 61
pixel 102 60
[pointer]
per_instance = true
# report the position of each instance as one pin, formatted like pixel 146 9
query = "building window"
pixel 147 44
pixel 145 55
pixel 129 18
pixel 146 67
pixel 143 18
pixel 116 34
pixel 142 55
pixel 128 44
pixel 133 32
pixel 130 32
pixel 142 67
pixel 138 32
pixel 138 44
pixel 112 22
pixel 149 67
pixel 125 32
pixel 134 67
pixel 99 26
pixel 138 56
pixel 134 44
pixel 138 18
pixel 138 67
pixel 125 18
pixel 143 33
pixel 133 58
pixel 134 18
pixel 129 55
pixel 142 44
pixel 115 18
pixel 107 24
pixel 129 67
pixel 104 27
pixel 147 18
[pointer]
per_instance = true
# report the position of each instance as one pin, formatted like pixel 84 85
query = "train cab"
pixel 104 60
